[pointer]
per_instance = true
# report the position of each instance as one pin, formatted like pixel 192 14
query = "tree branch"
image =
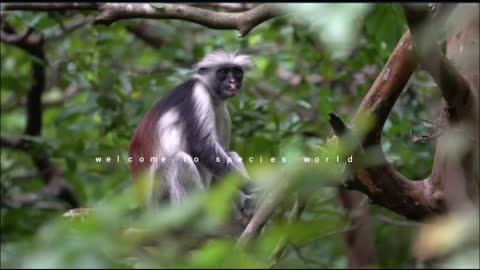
pixel 26 177
pixel 146 32
pixel 380 181
pixel 359 241
pixel 231 7
pixel 387 88
pixel 50 6
pixel 244 22
pixel 72 91
pixel 69 27
pixel 33 43
pixel 263 213
pixel 13 143
pixel 34 97
pixel 54 179
pixel 424 29
pixel 33 200
pixel 27 41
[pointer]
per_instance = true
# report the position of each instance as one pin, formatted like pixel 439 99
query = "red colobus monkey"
pixel 190 130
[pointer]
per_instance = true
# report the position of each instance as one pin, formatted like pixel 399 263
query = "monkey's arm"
pixel 212 155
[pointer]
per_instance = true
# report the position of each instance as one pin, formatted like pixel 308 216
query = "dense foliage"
pixel 283 112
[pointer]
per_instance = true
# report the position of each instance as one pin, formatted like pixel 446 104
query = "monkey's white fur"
pixel 204 107
pixel 169 133
pixel 220 57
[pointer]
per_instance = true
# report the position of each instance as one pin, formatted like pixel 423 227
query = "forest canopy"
pixel 358 124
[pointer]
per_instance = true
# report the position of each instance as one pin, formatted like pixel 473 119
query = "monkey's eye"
pixel 203 70
pixel 222 72
pixel 237 73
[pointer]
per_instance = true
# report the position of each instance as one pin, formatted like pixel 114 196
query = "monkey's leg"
pixel 207 177
pixel 182 177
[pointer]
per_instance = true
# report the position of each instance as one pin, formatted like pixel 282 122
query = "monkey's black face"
pixel 229 81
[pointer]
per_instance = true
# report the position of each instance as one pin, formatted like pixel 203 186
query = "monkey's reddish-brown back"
pixel 143 145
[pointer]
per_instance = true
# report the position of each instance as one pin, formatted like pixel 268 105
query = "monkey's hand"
pixel 238 164
pixel 247 198
pixel 247 201
pixel 246 205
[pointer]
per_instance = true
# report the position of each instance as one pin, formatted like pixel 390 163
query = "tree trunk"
pixel 456 167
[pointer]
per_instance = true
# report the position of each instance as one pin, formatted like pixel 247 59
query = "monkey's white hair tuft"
pixel 220 57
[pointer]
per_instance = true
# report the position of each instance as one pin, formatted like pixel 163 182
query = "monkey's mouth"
pixel 232 90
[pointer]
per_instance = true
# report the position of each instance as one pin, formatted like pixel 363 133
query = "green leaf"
pixel 386 24
pixel 71 163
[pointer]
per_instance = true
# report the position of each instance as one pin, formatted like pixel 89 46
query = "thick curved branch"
pixel 424 29
pixel 380 181
pixel 27 41
pixel 244 22
pixel 387 88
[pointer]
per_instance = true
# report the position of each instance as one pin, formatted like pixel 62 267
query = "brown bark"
pixel 383 184
pixel 455 177
pixel 244 21
pixel 380 181
pixel 359 241
pixel 149 34
pixel 458 174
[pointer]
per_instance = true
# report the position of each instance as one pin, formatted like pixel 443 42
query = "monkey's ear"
pixel 203 70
